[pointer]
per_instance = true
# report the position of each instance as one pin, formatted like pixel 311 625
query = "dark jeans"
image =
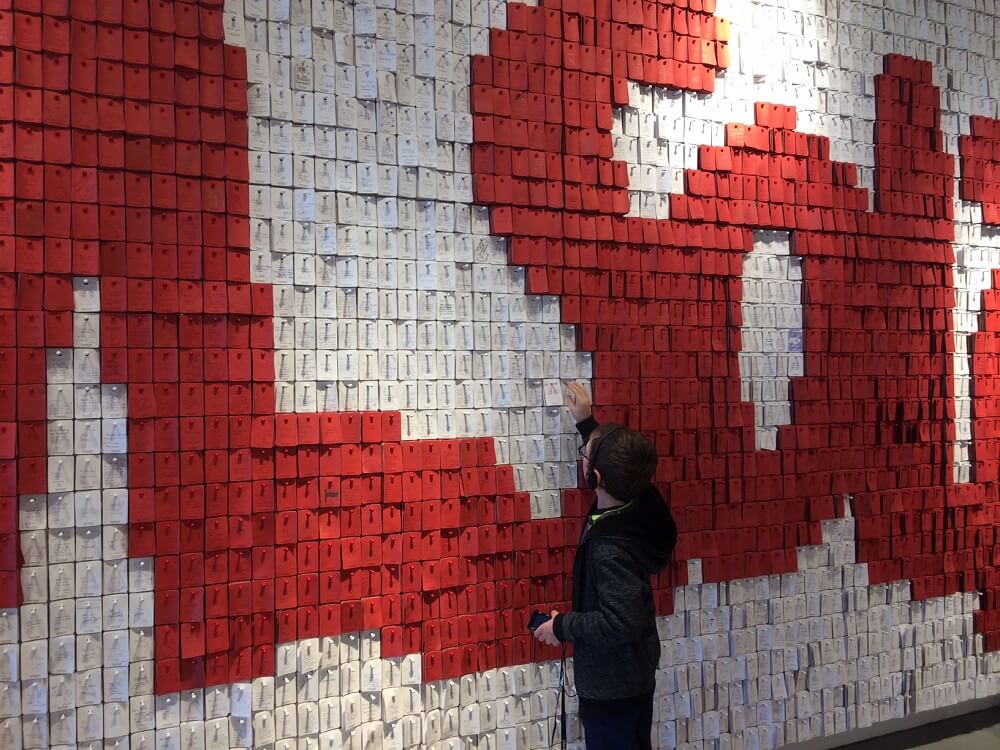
pixel 627 729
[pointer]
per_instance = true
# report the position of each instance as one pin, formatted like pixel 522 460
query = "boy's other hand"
pixel 544 631
pixel 578 402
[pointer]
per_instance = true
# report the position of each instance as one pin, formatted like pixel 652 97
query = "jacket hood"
pixel 645 527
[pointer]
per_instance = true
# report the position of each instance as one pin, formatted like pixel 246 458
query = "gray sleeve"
pixel 621 592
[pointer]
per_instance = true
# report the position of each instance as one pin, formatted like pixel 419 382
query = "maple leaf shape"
pixel 659 304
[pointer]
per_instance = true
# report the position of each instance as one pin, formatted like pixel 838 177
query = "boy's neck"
pixel 605 501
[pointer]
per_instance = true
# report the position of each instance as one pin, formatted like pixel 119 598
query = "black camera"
pixel 537 618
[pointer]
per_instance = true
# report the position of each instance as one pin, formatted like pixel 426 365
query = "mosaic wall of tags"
pixel 290 291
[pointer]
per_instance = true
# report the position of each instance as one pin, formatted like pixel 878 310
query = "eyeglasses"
pixel 581 451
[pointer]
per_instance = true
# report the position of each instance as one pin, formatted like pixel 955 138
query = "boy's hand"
pixel 578 402
pixel 544 631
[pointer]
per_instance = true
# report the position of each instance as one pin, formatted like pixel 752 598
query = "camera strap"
pixel 562 698
pixel 562 703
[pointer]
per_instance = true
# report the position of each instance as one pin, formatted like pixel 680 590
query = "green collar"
pixel 595 517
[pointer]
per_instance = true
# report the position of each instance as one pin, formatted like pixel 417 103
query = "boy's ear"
pixel 600 479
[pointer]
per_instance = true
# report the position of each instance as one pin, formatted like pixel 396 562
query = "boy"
pixel 629 536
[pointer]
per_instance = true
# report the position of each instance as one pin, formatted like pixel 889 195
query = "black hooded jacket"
pixel 612 627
